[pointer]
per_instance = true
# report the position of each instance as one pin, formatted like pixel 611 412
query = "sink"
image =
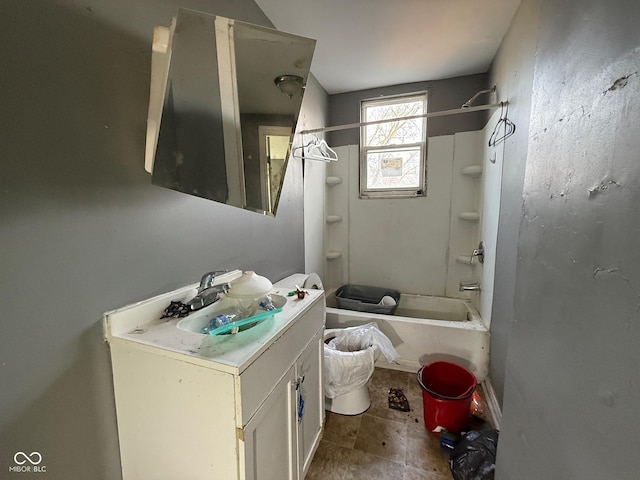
pixel 195 322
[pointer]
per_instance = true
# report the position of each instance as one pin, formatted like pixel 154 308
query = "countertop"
pixel 140 325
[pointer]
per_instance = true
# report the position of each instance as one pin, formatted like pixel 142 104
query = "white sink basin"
pixel 197 321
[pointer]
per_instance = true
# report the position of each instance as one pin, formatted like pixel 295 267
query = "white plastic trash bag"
pixel 352 339
pixel 349 357
pixel 346 371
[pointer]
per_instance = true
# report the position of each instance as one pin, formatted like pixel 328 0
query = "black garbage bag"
pixel 474 458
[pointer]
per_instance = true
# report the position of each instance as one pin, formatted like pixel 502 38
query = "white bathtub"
pixel 425 329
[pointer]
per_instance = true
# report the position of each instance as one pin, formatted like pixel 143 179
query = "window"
pixel 393 154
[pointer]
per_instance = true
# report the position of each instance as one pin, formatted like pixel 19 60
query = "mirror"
pixel 231 103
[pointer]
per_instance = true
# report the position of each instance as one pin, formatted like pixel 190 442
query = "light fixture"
pixel 290 85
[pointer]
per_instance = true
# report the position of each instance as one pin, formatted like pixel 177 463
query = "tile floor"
pixel 382 443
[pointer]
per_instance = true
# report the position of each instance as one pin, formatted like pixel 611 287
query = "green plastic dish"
pixel 225 329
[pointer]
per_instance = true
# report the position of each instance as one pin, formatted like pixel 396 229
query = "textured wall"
pixel 572 383
pixel 512 72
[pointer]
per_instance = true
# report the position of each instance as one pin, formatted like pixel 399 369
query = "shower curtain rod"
pixel 443 113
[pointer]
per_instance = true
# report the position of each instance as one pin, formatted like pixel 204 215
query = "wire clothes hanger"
pixel 317 149
pixel 509 127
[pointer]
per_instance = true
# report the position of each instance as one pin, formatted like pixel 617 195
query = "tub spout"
pixel 470 287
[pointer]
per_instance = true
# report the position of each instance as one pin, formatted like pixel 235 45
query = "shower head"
pixel 469 102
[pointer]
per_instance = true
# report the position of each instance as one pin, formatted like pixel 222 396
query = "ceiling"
pixel 365 44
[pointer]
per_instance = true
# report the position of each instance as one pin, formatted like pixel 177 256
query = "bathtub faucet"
pixel 470 287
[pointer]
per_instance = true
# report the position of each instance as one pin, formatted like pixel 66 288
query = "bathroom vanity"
pixel 243 406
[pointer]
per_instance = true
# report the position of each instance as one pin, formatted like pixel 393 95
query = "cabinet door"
pixel 310 399
pixel 270 437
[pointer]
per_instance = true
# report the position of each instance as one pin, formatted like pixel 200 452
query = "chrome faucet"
pixel 479 252
pixel 470 287
pixel 208 293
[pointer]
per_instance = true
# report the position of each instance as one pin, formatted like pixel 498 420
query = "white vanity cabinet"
pixel 280 439
pixel 246 406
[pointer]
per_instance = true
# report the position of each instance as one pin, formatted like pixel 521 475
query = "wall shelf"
pixel 331 181
pixel 333 218
pixel 333 255
pixel 469 216
pixel 472 170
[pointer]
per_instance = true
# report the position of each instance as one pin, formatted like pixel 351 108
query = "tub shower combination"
pixel 425 329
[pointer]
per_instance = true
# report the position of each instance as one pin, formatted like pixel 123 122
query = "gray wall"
pixel 512 72
pixel 82 229
pixel 446 94
pixel 572 383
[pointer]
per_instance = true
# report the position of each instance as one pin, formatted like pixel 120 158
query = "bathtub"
pixel 425 329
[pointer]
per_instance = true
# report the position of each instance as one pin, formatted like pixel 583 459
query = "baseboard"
pixel 495 413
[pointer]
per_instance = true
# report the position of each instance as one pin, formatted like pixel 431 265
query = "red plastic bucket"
pixel 446 396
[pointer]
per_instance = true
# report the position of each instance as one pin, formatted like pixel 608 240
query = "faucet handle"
pixel 479 252
pixel 207 279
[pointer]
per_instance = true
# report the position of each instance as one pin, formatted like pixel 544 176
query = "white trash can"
pixel 349 358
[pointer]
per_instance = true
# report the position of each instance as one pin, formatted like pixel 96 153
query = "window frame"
pixel 404 192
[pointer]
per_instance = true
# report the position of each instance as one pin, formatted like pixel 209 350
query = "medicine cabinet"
pixel 225 100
